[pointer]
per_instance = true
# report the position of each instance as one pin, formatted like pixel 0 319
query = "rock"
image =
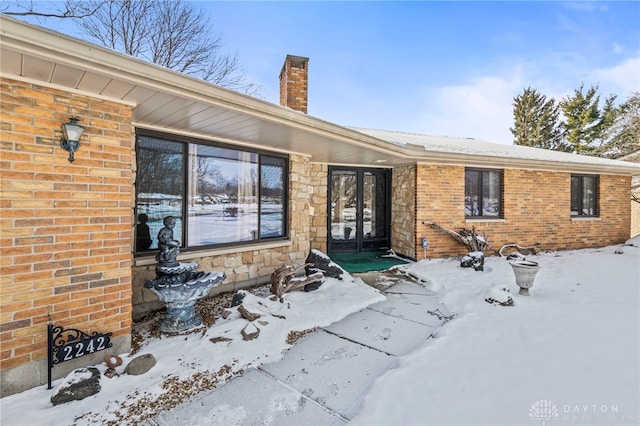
pixel 250 332
pixel 237 299
pixel 113 361
pixel 312 286
pixel 320 262
pixel 140 365
pixel 110 372
pixel 473 260
pixel 248 315
pixel 220 339
pixel 499 295
pixel 79 384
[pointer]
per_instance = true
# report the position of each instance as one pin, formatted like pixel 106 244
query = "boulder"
pixel 140 365
pixel 79 384
pixel 474 259
pixel 320 262
pixel 238 298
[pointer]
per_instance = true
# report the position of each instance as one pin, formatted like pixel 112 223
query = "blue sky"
pixel 442 68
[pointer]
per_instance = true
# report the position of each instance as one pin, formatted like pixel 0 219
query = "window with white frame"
pixel 482 193
pixel 584 195
pixel 219 194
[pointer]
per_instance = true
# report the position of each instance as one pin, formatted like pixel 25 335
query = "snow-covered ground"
pixel 566 355
pixel 569 354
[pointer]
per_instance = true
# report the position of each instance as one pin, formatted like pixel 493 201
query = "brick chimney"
pixel 294 84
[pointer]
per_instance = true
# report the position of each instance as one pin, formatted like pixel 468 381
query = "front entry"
pixel 359 209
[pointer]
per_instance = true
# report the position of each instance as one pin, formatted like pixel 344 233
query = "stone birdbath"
pixel 525 272
pixel 178 285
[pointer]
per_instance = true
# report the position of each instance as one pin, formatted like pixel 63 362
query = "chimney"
pixel 294 83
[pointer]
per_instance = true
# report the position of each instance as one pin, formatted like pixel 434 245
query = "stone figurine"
pixel 169 248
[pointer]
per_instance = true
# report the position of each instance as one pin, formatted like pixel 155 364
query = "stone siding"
pixel 244 266
pixel 403 211
pixel 319 216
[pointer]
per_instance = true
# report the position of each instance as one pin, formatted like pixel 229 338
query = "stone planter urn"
pixel 525 272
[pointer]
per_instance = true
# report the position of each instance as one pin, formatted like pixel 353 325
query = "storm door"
pixel 359 209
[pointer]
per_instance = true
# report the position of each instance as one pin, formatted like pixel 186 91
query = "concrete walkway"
pixel 324 377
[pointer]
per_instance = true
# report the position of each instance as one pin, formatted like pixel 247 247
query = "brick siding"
pixel 536 207
pixel 66 228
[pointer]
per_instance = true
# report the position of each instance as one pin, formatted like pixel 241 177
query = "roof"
pixel 500 153
pixel 164 100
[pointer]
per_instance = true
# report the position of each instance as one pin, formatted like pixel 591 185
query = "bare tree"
pixel 172 33
pixel 68 9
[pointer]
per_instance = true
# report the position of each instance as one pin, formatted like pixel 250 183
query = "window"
pixel 584 195
pixel 483 193
pixel 218 194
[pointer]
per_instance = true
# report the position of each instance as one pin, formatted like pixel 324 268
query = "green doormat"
pixel 366 261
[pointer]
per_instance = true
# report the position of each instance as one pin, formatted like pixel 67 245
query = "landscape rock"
pixel 250 332
pixel 140 365
pixel 473 260
pixel 320 262
pixel 248 315
pixel 237 299
pixel 499 295
pixel 79 384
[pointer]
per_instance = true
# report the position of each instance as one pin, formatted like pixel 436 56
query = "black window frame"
pixel 578 197
pixel 185 141
pixel 479 183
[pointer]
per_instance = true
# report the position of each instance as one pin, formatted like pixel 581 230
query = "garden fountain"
pixel 178 285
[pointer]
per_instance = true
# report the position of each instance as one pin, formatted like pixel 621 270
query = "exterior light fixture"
pixel 70 141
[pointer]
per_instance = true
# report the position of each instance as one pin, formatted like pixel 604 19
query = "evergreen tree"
pixel 586 124
pixel 623 136
pixel 536 121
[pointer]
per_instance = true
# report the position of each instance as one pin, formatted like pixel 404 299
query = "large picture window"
pixel 483 193
pixel 584 195
pixel 219 195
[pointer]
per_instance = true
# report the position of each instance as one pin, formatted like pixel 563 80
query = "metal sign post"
pixel 65 344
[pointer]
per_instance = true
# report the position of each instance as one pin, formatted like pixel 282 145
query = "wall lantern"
pixel 72 132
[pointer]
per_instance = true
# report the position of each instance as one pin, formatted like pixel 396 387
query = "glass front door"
pixel 359 210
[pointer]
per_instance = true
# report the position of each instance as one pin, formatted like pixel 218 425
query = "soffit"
pixel 167 101
pixel 164 100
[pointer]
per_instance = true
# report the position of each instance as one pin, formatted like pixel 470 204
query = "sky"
pixel 572 345
pixel 439 68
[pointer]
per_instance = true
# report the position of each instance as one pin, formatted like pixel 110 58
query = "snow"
pixel 568 354
pixel 452 145
pixel 573 344
pixel 184 356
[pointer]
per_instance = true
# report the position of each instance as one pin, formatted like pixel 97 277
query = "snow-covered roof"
pixel 445 145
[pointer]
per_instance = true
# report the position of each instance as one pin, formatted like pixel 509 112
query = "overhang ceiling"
pixel 167 101
pixel 164 100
